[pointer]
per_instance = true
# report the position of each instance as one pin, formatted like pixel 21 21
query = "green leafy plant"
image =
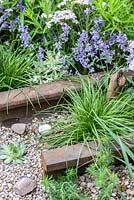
pixel 15 67
pixel 100 170
pixel 54 67
pixel 118 15
pixel 32 16
pixel 13 152
pixel 92 118
pixel 51 24
pixel 63 188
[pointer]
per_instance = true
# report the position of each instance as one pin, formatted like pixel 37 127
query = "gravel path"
pixel 31 167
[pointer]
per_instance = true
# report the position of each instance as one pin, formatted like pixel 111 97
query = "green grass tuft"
pixel 15 67
pixel 93 119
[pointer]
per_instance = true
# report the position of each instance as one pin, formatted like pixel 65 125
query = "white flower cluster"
pixel 82 2
pixel 131 44
pixel 131 65
pixel 60 17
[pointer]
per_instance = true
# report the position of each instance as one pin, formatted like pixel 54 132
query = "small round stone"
pixel 44 128
pixel 83 184
pixel 89 185
pixel 82 178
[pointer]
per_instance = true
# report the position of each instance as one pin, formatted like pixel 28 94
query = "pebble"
pixel 44 128
pixel 83 184
pixel 24 186
pixel 1 189
pixel 89 185
pixel 82 178
pixel 130 192
pixel 9 186
pixel 19 128
pixel 1 166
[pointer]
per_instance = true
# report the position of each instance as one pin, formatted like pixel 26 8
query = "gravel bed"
pixel 86 184
pixel 31 167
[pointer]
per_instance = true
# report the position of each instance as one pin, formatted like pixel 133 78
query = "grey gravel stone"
pixel 82 178
pixel 19 128
pixel 44 128
pixel 83 184
pixel 9 187
pixel 24 186
pixel 89 185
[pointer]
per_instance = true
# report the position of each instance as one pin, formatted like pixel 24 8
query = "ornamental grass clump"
pixel 15 67
pixel 92 119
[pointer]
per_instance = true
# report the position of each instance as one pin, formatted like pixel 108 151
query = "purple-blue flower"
pixel 63 38
pixel 87 11
pixel 58 45
pixel 64 35
pixel 1 9
pixel 40 54
pixel 97 46
pixel 8 12
pixel 13 24
pixel 20 6
pixel 24 35
pixel 4 25
pixel 99 21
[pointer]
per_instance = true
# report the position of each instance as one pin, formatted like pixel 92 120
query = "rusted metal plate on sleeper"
pixel 68 156
pixel 55 161
pixel 25 102
pixel 20 97
pixel 21 104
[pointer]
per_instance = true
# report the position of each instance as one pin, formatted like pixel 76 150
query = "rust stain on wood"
pixel 24 102
pixel 67 156
pixel 20 97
